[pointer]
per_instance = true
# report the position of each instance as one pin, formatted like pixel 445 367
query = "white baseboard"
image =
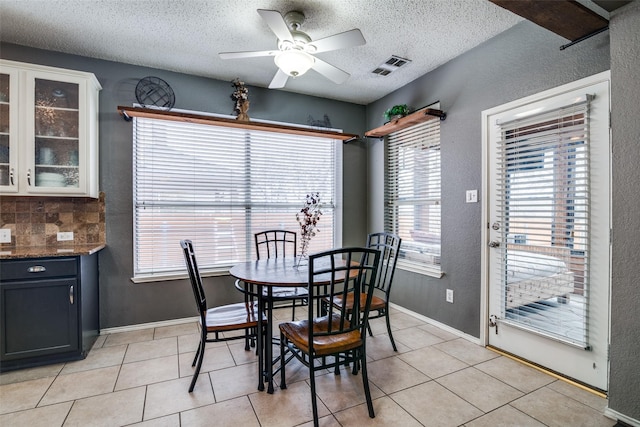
pixel 610 413
pixel 139 326
pixel 442 326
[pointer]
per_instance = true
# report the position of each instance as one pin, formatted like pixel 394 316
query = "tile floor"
pixel 435 379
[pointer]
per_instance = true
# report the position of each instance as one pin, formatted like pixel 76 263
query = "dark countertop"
pixel 50 251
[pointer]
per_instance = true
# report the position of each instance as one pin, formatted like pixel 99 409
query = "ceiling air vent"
pixel 390 65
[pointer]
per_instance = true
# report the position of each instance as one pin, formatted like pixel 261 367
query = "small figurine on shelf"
pixel 241 96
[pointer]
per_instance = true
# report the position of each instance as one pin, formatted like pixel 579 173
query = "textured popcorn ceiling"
pixel 186 36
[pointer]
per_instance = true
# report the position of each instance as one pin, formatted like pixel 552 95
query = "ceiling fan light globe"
pixel 294 62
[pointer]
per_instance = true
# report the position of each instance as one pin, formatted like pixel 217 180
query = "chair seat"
pixel 377 303
pixel 231 317
pixel 298 333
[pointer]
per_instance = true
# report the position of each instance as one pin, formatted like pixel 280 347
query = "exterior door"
pixel 548 229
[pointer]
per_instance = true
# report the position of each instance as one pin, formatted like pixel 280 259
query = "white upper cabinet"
pixel 48 131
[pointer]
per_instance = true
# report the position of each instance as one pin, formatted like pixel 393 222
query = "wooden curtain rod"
pixel 128 113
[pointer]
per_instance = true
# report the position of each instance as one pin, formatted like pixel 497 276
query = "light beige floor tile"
pixel 173 396
pixel 172 420
pixel 400 320
pixel 392 374
pixel 328 421
pixel 47 416
pixel 240 355
pixel 99 341
pixel 147 372
pixel 415 338
pixel 516 374
pixel 151 349
pixel 97 358
pixel 339 392
pixel 388 413
pixel 230 413
pixel 286 408
pixel 583 396
pixel 433 362
pixel 505 416
pixel 20 375
pixel 379 326
pixel 129 337
pixel 379 347
pixel 235 381
pixel 23 395
pixel 189 343
pixel 214 358
pixel 481 390
pixel 445 335
pixel 176 330
pixel 112 409
pixel 558 410
pixel 81 384
pixel 435 406
pixel 466 351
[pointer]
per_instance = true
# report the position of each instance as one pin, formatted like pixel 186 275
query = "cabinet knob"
pixel 36 269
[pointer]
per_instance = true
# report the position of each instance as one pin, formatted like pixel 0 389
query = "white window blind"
pixel 543 205
pixel 218 186
pixel 412 194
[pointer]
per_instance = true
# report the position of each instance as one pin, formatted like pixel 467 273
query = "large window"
pixel 412 195
pixel 217 186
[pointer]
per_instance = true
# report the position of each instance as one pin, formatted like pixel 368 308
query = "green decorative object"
pixel 396 111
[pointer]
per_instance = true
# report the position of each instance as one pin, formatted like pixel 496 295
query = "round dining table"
pixel 259 278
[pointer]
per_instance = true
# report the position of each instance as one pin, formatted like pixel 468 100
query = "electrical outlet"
pixel 5 235
pixel 450 295
pixel 472 196
pixel 65 236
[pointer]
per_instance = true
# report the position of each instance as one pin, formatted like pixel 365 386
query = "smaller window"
pixel 412 195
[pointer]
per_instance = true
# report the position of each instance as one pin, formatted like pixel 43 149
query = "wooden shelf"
pixel 414 118
pixel 129 112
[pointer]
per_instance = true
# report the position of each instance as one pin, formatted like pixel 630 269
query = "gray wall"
pixel 519 62
pixel 624 390
pixel 123 302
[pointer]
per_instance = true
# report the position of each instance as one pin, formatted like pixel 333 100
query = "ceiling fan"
pixel 294 56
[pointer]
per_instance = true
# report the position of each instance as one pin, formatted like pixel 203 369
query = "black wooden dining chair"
pixel 389 246
pixel 216 320
pixel 281 244
pixel 335 338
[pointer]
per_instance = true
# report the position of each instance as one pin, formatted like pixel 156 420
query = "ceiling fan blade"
pixel 275 21
pixel 331 72
pixel 254 54
pixel 337 41
pixel 279 80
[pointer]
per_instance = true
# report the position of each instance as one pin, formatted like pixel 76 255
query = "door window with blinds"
pixel 543 212
pixel 412 195
pixel 218 186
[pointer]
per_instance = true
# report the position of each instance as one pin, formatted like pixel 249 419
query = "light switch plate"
pixel 65 236
pixel 472 196
pixel 5 235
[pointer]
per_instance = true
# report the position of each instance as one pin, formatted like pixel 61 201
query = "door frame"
pixel 486 170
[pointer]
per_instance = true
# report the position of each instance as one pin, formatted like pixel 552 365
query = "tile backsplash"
pixel 36 221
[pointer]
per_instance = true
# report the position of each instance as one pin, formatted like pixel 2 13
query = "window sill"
pixel 150 278
pixel 416 267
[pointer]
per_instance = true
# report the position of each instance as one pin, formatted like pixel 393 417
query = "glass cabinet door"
pixel 5 128
pixel 56 137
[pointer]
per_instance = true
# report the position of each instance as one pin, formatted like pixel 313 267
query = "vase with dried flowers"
pixel 308 218
pixel 241 96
